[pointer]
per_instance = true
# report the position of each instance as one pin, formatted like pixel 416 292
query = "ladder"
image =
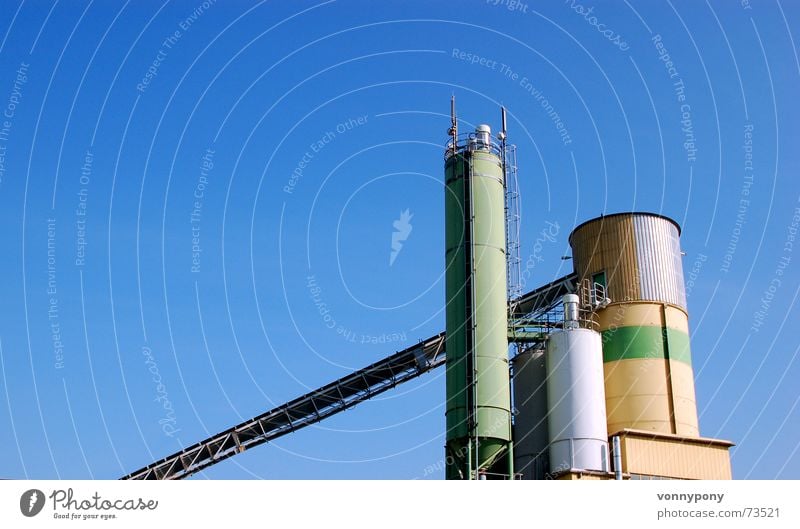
pixel 513 260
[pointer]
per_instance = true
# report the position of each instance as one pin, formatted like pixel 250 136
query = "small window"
pixel 599 278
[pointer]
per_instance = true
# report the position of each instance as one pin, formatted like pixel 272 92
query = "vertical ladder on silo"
pixel 513 260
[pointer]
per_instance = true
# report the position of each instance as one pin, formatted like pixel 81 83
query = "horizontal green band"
pixel 646 342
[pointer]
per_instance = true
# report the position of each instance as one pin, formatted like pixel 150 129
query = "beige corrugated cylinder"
pixel 649 381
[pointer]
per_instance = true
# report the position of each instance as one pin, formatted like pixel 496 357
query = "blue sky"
pixel 208 175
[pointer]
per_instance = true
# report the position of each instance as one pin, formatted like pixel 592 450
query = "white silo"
pixel 575 396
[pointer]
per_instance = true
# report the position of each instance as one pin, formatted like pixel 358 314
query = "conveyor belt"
pixel 543 297
pixel 329 399
pixel 302 411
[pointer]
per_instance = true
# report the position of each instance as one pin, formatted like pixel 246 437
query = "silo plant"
pixel 613 368
pixel 635 260
pixel 630 386
pixel 645 328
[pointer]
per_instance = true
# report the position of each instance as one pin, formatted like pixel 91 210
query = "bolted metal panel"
pixel 677 319
pixel 530 419
pixel 637 395
pixel 476 310
pixel 647 343
pixel 649 381
pixel 455 288
pixel 642 314
pixel 648 376
pixel 490 305
pixel 576 400
pixel 684 406
pixel 607 245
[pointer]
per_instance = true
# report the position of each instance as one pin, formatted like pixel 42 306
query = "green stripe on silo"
pixel 679 348
pixel 644 342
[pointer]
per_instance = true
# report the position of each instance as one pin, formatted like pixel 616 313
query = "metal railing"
pixel 472 141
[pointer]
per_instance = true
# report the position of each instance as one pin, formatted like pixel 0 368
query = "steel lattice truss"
pixel 300 412
pixel 329 399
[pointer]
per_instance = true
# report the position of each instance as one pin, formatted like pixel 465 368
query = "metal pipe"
pixel 617 457
pixel 570 311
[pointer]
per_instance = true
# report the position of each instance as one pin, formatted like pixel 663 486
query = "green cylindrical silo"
pixel 478 394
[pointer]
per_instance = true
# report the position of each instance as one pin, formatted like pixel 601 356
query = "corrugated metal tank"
pixel 639 252
pixel 476 305
pixel 649 381
pixel 577 419
pixel 530 419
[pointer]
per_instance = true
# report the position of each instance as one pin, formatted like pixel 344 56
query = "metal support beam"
pixel 303 411
pixel 325 401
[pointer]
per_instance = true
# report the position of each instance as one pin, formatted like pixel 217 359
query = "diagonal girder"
pixel 330 399
pixel 300 412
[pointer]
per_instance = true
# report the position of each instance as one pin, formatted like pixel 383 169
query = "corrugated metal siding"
pixel 675 458
pixel 658 255
pixel 640 254
pixel 608 244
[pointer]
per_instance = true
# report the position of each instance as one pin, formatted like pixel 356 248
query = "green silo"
pixel 478 394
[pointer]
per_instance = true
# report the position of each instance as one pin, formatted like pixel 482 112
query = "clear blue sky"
pixel 125 118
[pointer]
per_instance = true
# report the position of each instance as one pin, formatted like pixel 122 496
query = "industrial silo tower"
pixel 603 384
pixel 648 364
pixel 478 412
pixel 608 390
pixel 635 260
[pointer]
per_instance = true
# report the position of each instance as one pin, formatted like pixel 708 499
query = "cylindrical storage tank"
pixel 577 412
pixel 476 307
pixel 645 332
pixel 530 414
